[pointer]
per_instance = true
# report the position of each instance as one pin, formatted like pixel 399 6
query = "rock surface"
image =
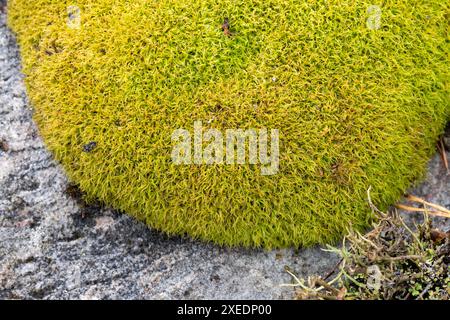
pixel 52 246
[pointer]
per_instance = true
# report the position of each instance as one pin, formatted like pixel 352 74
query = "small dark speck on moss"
pixel 90 146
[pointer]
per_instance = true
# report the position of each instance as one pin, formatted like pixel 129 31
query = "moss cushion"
pixel 358 93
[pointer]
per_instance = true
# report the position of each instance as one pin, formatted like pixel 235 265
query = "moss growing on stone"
pixel 358 98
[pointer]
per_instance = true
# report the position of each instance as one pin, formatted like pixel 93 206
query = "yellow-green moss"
pixel 355 106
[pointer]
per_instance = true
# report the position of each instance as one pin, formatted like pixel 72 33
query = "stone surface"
pixel 52 246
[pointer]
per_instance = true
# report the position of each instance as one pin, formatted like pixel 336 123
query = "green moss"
pixel 355 106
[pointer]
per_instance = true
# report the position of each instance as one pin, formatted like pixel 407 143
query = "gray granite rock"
pixel 52 246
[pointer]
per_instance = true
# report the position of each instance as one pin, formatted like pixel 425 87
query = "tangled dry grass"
pixel 393 261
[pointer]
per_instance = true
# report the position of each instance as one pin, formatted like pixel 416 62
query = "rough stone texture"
pixel 52 246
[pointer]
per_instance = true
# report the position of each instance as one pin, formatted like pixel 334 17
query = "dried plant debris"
pixel 226 28
pixel 429 208
pixel 442 152
pixel 390 262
